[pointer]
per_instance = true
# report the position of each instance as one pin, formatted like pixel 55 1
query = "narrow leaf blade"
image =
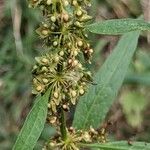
pixel 33 125
pixel 120 145
pixel 118 26
pixel 94 105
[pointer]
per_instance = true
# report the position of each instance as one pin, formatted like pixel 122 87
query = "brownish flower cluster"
pixel 65 39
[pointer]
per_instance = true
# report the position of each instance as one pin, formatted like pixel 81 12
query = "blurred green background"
pixel 19 44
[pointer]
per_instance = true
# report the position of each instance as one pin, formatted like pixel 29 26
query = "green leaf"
pixel 118 26
pixel 120 145
pixel 33 125
pixel 94 105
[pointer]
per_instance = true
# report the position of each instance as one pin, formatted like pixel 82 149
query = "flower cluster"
pixel 75 138
pixel 65 38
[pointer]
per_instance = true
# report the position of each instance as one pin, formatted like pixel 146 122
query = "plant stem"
pixel 63 125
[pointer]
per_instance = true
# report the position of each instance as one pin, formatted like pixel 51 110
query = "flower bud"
pixel 44 32
pixel 39 88
pixel 65 107
pixel 49 105
pixel 55 43
pixel 53 120
pixel 70 61
pixel 49 2
pixel 91 51
pixel 81 91
pixel 73 93
pixel 45 25
pixel 79 13
pixel 61 53
pixel 71 129
pixel 56 58
pixel 74 2
pixel 75 53
pixel 52 144
pixel 53 18
pixel 35 67
pixel 87 137
pixel 35 81
pixel 75 63
pixel 79 65
pixel 65 17
pixel 78 24
pixel 56 95
pixel 85 18
pixel 80 43
pixel 52 27
pixel 44 60
pixel 44 69
pixel 69 44
pixel 92 130
pixel 66 3
pixel 45 80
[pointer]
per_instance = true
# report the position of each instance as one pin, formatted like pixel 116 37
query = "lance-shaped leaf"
pixel 33 125
pixel 93 106
pixel 119 145
pixel 118 26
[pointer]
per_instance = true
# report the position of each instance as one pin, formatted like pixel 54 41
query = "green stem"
pixel 63 126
